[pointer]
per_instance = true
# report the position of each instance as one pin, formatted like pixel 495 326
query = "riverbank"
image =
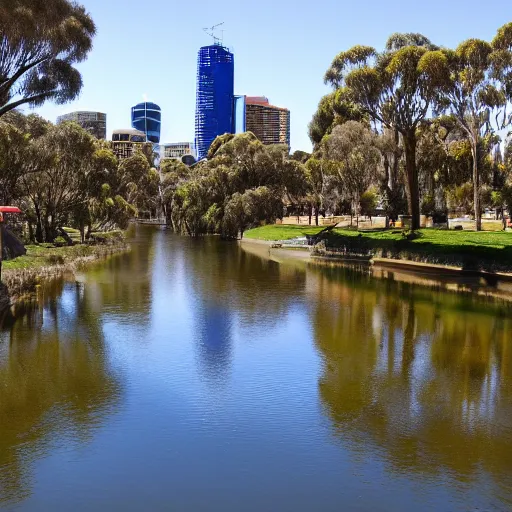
pixel 489 252
pixel 435 277
pixel 22 276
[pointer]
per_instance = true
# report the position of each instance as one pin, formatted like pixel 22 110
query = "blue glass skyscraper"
pixel 215 93
pixel 147 117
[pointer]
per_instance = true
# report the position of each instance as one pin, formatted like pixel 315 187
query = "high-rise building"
pixel 147 117
pixel 214 98
pixel 177 150
pixel 269 123
pixel 125 141
pixel 94 122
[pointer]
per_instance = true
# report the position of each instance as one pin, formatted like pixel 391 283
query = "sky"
pixel 148 49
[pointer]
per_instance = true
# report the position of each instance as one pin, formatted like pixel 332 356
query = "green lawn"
pixel 468 249
pixel 281 232
pixel 43 255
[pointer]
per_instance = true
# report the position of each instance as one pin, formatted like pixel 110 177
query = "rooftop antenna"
pixel 211 31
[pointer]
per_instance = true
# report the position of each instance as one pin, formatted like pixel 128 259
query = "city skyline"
pixel 286 65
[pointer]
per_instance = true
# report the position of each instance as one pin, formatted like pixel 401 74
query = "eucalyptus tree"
pixel 243 184
pixel 333 109
pixel 473 92
pixel 393 91
pixel 354 146
pixel 13 150
pixel 137 182
pixel 40 42
pixel 392 193
pixel 58 185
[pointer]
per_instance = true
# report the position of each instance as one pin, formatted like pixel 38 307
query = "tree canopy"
pixel 40 44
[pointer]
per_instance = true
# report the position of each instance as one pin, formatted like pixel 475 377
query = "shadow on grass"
pixel 469 257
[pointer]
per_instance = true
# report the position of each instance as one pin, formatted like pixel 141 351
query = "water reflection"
pixel 229 286
pixel 422 376
pixel 55 383
pixel 205 376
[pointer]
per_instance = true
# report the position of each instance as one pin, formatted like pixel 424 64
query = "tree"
pixel 355 147
pixel 316 170
pixel 40 43
pixel 368 202
pixel 59 185
pixel 13 149
pixel 300 156
pixel 333 109
pixel 392 89
pixel 471 92
pixel 138 182
pixel 243 184
pixel 392 192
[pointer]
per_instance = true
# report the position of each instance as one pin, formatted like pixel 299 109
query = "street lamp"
pixel 3 210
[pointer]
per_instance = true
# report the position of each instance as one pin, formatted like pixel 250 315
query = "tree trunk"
pixel 30 231
pixel 39 225
pixel 317 211
pixel 411 172
pixel 82 232
pixel 476 183
pixel 310 213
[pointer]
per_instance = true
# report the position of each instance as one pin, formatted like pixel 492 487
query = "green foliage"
pixel 461 197
pixel 354 147
pixel 393 90
pixel 242 185
pixel 60 241
pixel 369 201
pixel 428 205
pixel 41 42
pixel 62 176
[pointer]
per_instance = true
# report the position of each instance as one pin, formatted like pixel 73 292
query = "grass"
pixel 281 232
pixel 42 256
pixel 490 251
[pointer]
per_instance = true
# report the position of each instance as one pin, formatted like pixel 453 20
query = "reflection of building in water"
pixel 215 343
pixel 424 377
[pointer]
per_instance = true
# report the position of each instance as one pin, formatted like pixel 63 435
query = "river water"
pixel 192 375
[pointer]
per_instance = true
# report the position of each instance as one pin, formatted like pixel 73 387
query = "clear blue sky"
pixel 282 49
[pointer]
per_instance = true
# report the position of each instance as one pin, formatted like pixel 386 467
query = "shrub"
pixel 60 241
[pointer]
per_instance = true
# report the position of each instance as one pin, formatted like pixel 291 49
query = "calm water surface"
pixel 191 375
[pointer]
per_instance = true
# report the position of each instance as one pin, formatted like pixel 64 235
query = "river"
pixel 192 375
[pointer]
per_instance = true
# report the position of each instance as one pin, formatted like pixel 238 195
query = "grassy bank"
pixel 21 276
pixel 281 232
pixel 490 251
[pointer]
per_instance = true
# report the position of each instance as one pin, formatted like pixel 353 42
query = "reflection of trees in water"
pixel 259 289
pixel 123 283
pixel 55 381
pixel 425 376
pixel 230 283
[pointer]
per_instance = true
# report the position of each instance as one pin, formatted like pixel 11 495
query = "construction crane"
pixel 211 32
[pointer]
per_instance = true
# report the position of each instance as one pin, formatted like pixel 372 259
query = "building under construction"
pixel 214 98
pixel 269 123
